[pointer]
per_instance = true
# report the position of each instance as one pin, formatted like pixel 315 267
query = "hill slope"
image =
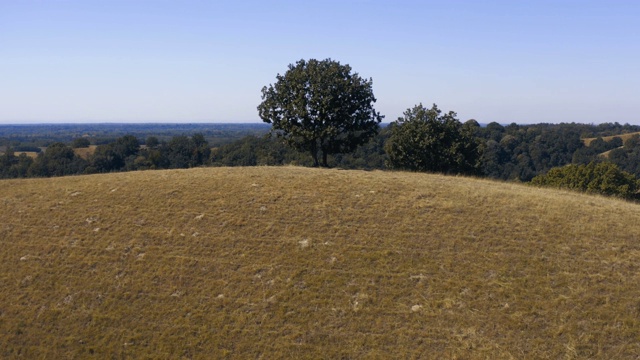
pixel 623 137
pixel 307 263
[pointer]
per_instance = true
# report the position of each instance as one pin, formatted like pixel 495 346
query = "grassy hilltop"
pixel 265 263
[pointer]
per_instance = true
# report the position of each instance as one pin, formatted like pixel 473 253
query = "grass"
pixel 607 153
pixel 85 152
pixel 31 154
pixel 302 263
pixel 623 137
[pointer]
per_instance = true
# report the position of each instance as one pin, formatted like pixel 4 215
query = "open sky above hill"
pixel 206 61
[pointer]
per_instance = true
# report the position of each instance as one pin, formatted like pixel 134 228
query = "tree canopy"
pixel 603 178
pixel 427 140
pixel 321 107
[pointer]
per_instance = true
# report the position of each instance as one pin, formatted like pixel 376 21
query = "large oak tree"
pixel 321 107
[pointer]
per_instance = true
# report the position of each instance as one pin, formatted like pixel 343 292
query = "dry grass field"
pixel 82 152
pixel 606 154
pixel 287 262
pixel 85 152
pixel 31 154
pixel 624 137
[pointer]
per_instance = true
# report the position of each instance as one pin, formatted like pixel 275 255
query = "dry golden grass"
pixel 624 137
pixel 266 263
pixel 85 152
pixel 31 154
pixel 606 154
pixel 82 152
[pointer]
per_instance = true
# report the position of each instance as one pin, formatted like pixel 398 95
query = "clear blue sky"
pixel 206 61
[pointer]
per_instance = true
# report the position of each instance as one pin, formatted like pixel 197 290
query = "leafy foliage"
pixel 427 140
pixel 80 142
pixel 123 154
pixel 58 160
pixel 513 152
pixel 270 151
pixel 603 178
pixel 115 156
pixel 520 152
pixel 321 107
pixel 587 154
pixel 43 135
pixel 152 142
pixel 12 166
pixel 627 157
pixel 257 151
pixel 184 152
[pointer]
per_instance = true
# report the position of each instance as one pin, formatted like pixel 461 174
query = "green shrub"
pixel 602 178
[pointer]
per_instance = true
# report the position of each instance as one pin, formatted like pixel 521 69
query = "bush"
pixel 602 178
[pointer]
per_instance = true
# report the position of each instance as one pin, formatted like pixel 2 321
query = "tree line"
pixel 507 152
pixel 512 152
pixel 123 154
pixel 323 108
pixel 322 114
pixel 32 137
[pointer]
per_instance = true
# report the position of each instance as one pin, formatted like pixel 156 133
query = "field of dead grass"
pixel 31 154
pixel 86 152
pixel 287 262
pixel 624 137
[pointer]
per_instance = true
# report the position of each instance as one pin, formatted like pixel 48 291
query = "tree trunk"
pixel 324 158
pixel 314 155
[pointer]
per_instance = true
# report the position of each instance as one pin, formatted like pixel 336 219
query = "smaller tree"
pixel 427 140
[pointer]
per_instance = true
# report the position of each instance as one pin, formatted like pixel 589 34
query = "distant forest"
pixel 512 152
pixel 41 135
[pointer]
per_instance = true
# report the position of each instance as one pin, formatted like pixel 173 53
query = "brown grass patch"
pixel 306 263
pixel 624 137
pixel 31 154
pixel 85 152
pixel 607 153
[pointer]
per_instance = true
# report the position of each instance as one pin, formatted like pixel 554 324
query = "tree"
pixel 152 142
pixel 427 140
pixel 126 146
pixel 116 156
pixel 321 107
pixel 184 152
pixel 80 143
pixel 201 152
pixel 58 160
